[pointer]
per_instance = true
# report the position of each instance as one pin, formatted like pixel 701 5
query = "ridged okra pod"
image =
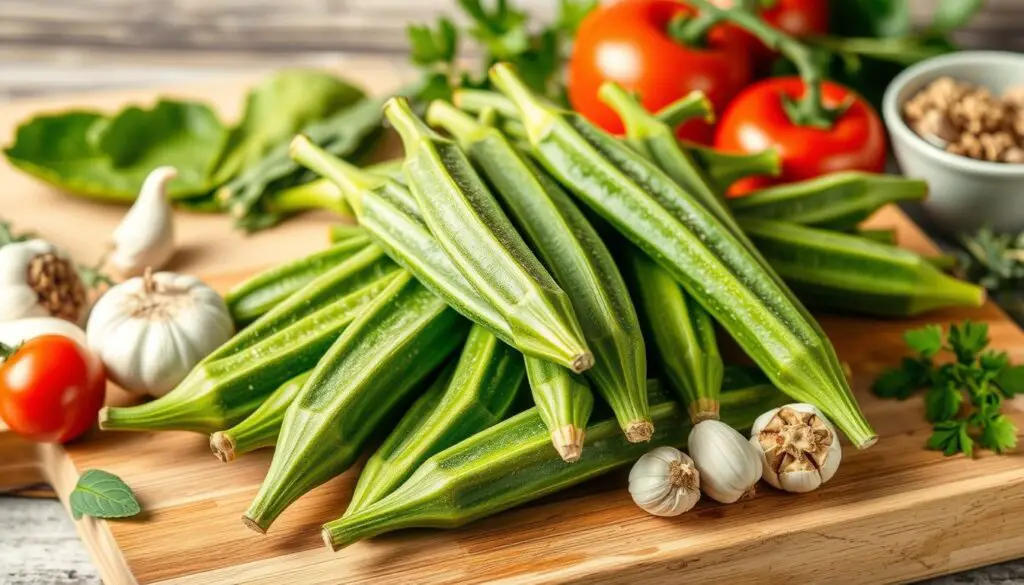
pixel 839 201
pixel 849 272
pixel 511 463
pixel 675 230
pixel 341 232
pixel 220 394
pixel 683 335
pixel 259 429
pixel 470 226
pixel 575 255
pixel 564 402
pixel 475 395
pixel 403 335
pixel 257 295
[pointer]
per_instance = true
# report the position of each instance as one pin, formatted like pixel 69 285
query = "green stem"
pixel 692 31
pixel 7 351
pixel 349 179
pixel 478 100
pixel 318 194
pixel 693 105
pixel 454 121
pixel 810 110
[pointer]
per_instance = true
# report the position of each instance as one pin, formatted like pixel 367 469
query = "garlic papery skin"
pixel 39 280
pixel 799 447
pixel 664 482
pixel 145 237
pixel 729 465
pixel 151 331
pixel 14 333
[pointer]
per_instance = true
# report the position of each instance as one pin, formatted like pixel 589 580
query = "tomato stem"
pixel 7 351
pixel 692 31
pixel 809 110
pixel 692 105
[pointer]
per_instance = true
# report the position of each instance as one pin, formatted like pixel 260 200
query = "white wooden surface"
pixel 61 46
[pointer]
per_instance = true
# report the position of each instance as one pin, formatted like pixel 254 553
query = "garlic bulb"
pixel 729 466
pixel 145 237
pixel 664 482
pixel 799 447
pixel 19 331
pixel 151 331
pixel 38 280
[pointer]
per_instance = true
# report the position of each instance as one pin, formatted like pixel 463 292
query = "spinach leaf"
pixel 105 158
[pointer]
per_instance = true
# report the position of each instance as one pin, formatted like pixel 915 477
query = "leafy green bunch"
pixel 964 397
pixel 504 33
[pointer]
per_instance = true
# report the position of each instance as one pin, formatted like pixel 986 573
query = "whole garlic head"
pixel 729 465
pixel 39 280
pixel 799 447
pixel 664 482
pixel 145 237
pixel 151 331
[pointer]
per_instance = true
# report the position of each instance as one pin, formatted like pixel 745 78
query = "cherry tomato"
pixel 757 120
pixel 797 18
pixel 628 42
pixel 51 389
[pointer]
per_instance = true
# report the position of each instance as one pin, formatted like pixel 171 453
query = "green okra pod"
pixel 254 297
pixel 575 255
pixel 341 232
pixel 512 463
pixel 700 253
pixel 220 394
pixel 403 335
pixel 259 429
pixel 475 394
pixel 472 229
pixel 564 402
pixel 683 335
pixel 849 272
pixel 725 168
pixel 838 201
pixel 881 236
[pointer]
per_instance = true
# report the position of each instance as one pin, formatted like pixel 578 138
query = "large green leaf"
pixel 108 158
pixel 275 110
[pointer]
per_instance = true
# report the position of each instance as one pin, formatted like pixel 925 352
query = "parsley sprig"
pixel 504 33
pixel 963 398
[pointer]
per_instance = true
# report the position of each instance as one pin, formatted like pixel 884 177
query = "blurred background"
pixel 79 45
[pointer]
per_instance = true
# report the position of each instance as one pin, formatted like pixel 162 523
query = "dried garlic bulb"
pixel 799 447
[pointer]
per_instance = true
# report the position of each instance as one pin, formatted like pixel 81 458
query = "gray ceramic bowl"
pixel 964 193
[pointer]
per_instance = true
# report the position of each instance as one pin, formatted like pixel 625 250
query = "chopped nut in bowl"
pixel 957 121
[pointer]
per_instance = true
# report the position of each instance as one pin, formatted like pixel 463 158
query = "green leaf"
pixel 952 14
pixel 102 495
pixel 967 340
pixel 926 341
pixel 902 382
pixel 433 46
pixel 7 235
pixel 1011 380
pixel 571 14
pixel 998 434
pixel 942 403
pixel 275 110
pixel 951 437
pixel 869 18
pixel 104 158
pixel 992 363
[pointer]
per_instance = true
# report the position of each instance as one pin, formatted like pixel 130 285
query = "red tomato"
pixel 628 42
pixel 756 120
pixel 798 18
pixel 51 389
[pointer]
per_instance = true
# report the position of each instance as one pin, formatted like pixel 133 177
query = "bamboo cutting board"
pixel 893 513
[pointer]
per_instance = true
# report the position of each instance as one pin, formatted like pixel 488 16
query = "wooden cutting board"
pixel 893 513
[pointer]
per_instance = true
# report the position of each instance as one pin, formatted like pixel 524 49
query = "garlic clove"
pixel 799 447
pixel 664 482
pixel 729 465
pixel 799 482
pixel 145 237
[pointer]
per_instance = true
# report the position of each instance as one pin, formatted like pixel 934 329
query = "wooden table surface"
pixel 85 45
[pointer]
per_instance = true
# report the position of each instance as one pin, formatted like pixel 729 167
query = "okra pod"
pixel 848 272
pixel 838 201
pixel 700 253
pixel 725 168
pixel 471 228
pixel 259 429
pixel 476 395
pixel 684 336
pixel 398 339
pixel 881 236
pixel 219 394
pixel 564 402
pixel 342 232
pixel 576 256
pixel 512 463
pixel 256 296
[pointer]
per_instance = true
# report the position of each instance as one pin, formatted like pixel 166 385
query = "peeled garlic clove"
pixel 799 447
pixel 729 466
pixel 145 237
pixel 664 482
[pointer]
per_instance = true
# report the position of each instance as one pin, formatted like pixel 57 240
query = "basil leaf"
pixel 101 494
pixel 105 158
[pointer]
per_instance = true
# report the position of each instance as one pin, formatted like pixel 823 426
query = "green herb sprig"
pixel 964 397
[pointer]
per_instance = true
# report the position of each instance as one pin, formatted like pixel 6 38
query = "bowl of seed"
pixel 957 121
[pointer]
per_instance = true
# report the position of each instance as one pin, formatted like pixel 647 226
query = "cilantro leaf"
pixel 901 383
pixel 951 437
pixel 926 341
pixel 942 403
pixel 1011 380
pixel 433 46
pixel 998 434
pixel 967 340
